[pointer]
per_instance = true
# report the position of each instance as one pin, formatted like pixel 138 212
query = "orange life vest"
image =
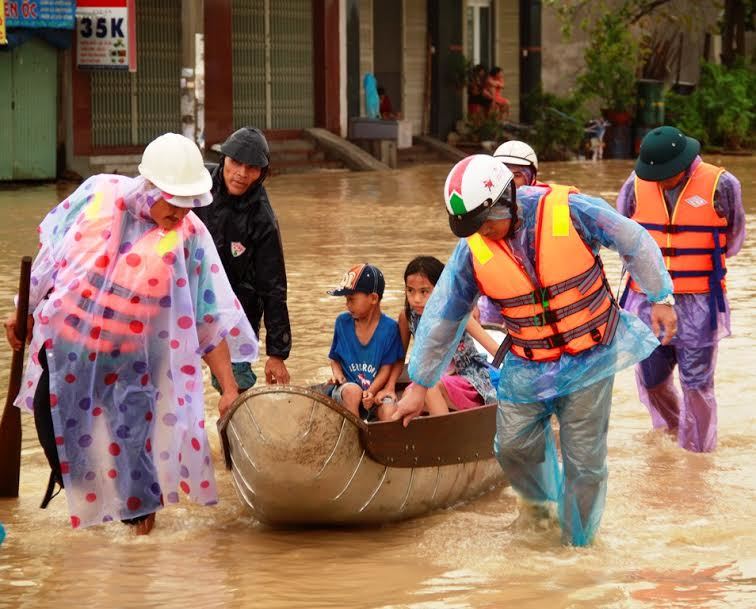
pixel 693 242
pixel 570 309
pixel 118 318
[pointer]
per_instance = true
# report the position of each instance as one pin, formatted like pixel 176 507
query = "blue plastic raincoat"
pixel 575 388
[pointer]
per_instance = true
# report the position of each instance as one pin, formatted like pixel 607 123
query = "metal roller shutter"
pixel 133 109
pixel 273 71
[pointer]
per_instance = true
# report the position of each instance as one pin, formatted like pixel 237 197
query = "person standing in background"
pixel 694 211
pixel 246 234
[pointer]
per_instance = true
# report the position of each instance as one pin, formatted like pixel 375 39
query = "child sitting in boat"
pixel 467 383
pixel 366 344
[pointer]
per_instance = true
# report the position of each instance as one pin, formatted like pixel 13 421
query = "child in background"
pixel 366 344
pixel 386 107
pixel 467 383
pixel 492 91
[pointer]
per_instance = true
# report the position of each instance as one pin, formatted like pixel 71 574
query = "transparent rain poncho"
pixel 693 412
pixel 575 388
pixel 456 292
pixel 125 311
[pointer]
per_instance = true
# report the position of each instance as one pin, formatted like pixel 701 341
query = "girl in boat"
pixel 467 382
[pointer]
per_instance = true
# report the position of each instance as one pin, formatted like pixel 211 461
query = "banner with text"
pixel 106 35
pixel 3 39
pixel 40 13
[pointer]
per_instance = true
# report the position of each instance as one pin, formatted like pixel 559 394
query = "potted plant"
pixel 611 63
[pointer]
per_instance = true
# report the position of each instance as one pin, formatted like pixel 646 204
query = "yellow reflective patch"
pixel 167 243
pixel 479 249
pixel 560 226
pixel 93 209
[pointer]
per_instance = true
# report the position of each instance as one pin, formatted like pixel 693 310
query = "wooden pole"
pixel 10 425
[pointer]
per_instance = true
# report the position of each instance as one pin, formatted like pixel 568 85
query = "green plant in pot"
pixel 611 64
pixel 459 69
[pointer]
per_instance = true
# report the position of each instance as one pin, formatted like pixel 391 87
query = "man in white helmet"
pixel 522 161
pixel 537 258
pixel 129 295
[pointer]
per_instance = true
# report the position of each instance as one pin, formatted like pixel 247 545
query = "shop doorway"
pixel 388 49
pixel 28 112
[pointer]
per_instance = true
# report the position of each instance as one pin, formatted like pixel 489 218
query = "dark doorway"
pixel 445 25
pixel 354 79
pixel 387 49
pixel 530 53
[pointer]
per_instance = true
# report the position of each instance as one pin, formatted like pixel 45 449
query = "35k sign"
pixel 106 35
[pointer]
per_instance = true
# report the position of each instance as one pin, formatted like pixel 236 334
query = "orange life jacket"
pixel 118 318
pixel 693 242
pixel 570 308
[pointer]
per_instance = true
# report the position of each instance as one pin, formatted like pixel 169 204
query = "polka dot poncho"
pixel 125 311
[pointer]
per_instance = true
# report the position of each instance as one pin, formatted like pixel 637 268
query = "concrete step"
pixel 290 145
pixel 287 156
pixel 313 155
pixel 324 166
pixel 298 156
pixel 124 169
pixel 419 154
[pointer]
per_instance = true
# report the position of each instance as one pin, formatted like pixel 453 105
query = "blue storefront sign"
pixel 40 14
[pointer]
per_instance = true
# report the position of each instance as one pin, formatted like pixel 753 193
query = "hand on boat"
pixel 226 399
pixel 411 404
pixel 276 372
pixel 368 399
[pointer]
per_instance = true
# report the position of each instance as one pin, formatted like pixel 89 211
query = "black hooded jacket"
pixel 246 234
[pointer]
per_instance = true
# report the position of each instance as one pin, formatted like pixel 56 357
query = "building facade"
pixel 207 67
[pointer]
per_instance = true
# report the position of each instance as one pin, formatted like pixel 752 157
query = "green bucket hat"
pixel 664 153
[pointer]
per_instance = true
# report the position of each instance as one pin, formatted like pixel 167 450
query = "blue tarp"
pixel 58 14
pixel 60 39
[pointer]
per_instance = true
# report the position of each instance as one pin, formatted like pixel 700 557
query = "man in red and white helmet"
pixel 536 257
pixel 521 160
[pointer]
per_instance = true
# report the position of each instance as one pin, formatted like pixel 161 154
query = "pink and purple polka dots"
pixel 132 309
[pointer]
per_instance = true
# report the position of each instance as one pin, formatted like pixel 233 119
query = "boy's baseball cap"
pixel 364 278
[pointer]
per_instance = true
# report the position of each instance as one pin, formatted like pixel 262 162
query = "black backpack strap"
pixel 49 494
pixel 45 432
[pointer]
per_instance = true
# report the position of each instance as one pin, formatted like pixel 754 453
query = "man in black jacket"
pixel 245 231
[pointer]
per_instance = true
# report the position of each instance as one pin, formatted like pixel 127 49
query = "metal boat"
pixel 299 458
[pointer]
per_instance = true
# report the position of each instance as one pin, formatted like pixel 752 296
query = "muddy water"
pixel 678 530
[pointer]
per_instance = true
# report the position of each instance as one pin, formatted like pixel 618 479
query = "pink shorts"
pixel 461 393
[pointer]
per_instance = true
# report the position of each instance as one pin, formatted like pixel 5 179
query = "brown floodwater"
pixel 678 530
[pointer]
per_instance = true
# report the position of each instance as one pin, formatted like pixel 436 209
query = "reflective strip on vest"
pixel 570 309
pixel 693 241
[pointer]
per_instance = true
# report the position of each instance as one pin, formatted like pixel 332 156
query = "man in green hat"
pixel 694 211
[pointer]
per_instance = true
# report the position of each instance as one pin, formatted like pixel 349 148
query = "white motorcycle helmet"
pixel 472 188
pixel 516 152
pixel 174 164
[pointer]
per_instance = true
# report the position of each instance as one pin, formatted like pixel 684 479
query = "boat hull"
pixel 299 458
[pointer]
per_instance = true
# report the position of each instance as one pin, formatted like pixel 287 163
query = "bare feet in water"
pixel 145 526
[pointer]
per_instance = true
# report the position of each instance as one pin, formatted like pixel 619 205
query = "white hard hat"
pixel 515 152
pixel 472 187
pixel 174 164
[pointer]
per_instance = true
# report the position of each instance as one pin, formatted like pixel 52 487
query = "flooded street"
pixel 678 530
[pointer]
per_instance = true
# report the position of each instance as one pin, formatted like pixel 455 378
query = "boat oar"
pixel 10 425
